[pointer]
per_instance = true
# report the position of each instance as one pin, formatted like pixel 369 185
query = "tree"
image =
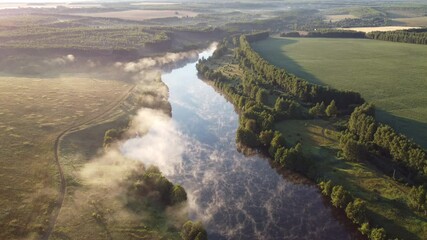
pixel 326 188
pixel 317 110
pixel 178 194
pixel 265 137
pixel 331 110
pixel 418 198
pixel 247 137
pixel 193 231
pixel 276 142
pixel 378 234
pixel 261 96
pixel 251 125
pixel 339 197
pixel 365 229
pixel 280 105
pixel 110 136
pixel 356 211
pixel 354 150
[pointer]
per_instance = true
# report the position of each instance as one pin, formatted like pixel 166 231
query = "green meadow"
pixel 391 75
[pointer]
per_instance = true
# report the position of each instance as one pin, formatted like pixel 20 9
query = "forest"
pixel 415 36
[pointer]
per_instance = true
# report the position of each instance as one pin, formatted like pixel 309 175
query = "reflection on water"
pixel 236 196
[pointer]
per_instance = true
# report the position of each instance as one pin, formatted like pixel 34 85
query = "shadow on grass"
pixel 285 62
pixel 392 228
pixel 330 169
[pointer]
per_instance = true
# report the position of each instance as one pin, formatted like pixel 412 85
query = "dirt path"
pixel 63 184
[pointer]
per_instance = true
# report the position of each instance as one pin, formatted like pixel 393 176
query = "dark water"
pixel 238 197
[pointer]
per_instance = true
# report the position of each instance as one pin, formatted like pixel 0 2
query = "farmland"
pixel 390 75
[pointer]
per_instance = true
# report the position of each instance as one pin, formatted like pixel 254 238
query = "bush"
pixel 339 197
pixel 247 137
pixel 326 188
pixel 356 211
pixel 110 136
pixel 364 229
pixel 378 234
pixel 178 194
pixel 265 137
pixel 193 231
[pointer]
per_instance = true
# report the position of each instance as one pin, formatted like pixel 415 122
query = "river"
pixel 238 196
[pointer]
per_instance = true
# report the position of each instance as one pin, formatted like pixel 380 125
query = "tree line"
pixel 417 36
pixel 327 33
pixel 384 142
pixel 355 209
pixel 287 82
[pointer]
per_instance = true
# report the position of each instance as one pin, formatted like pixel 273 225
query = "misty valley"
pixel 218 120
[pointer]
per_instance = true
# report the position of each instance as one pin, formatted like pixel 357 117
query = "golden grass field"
pixel 382 29
pixel 139 15
pixel 32 114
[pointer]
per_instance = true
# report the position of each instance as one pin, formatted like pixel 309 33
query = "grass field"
pixel 390 75
pixel 32 114
pixel 386 204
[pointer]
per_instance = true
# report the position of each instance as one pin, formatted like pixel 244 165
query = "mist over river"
pixel 235 196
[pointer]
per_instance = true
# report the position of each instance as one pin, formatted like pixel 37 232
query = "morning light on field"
pixel 198 120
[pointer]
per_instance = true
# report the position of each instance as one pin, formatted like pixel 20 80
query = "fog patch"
pixel 61 61
pixel 156 62
pixel 161 144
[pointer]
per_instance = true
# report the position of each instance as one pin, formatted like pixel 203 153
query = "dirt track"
pixel 63 184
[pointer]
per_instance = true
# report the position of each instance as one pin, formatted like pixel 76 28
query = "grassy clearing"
pixel 386 203
pixel 32 114
pixel 390 75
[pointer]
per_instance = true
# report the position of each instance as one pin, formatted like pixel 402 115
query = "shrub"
pixel 339 197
